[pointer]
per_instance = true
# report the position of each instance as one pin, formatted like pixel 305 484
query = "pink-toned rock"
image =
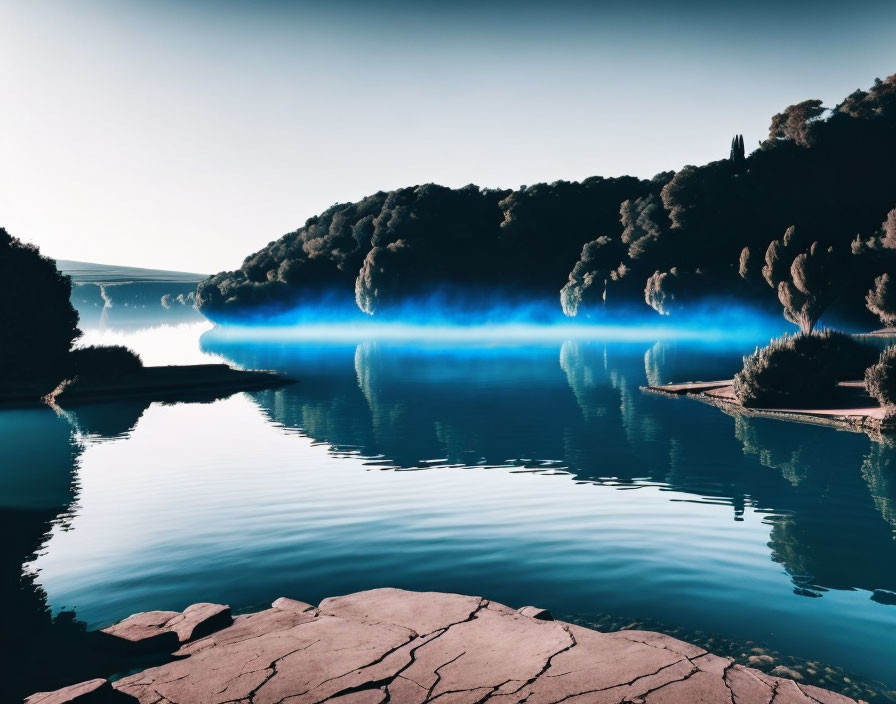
pixel 824 696
pixel 389 645
pixel 199 620
pixel 422 612
pixel 248 626
pixel 287 604
pixel 97 691
pixel 159 631
pixel 143 632
pixel 535 612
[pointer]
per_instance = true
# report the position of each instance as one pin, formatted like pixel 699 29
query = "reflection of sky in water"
pixel 558 483
pixel 160 344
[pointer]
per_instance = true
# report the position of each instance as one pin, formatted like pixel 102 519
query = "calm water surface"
pixel 525 472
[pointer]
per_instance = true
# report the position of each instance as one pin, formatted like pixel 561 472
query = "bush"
pixel 800 368
pixel 104 363
pixel 880 378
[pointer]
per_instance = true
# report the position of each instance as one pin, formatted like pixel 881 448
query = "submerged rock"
pixel 389 645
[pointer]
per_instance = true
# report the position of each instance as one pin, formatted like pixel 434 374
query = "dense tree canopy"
pixel 38 320
pixel 604 242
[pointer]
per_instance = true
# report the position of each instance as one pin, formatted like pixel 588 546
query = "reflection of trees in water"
pixel 829 532
pixel 827 491
pixel 39 455
pixel 326 404
pixel 463 405
pixel 791 461
pixel 396 427
pixel 37 489
pixel 879 472
pixel 584 381
pixel 654 361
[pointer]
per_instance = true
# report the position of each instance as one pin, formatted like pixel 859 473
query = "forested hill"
pixel 830 173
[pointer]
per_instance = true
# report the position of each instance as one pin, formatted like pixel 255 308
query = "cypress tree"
pixel 737 155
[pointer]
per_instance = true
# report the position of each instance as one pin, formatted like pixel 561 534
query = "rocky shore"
pixel 390 645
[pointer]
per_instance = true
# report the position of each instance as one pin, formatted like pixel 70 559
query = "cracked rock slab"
pixel 398 647
pixel 199 620
pixel 143 632
pixel 97 691
pixel 535 612
pixel 159 631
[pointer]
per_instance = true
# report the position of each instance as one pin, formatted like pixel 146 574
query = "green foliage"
pixel 880 378
pixel 800 368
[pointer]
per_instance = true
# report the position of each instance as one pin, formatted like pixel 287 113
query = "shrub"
pixel 104 363
pixel 800 368
pixel 880 378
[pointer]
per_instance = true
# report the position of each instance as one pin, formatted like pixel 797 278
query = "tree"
pixel 814 276
pixel 738 154
pixel 881 300
pixel 665 290
pixel 778 257
pixel 39 322
pixel 795 122
pixel 888 228
pixel 880 378
pixel 806 282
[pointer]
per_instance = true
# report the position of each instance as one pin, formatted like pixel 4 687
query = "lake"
pixel 529 472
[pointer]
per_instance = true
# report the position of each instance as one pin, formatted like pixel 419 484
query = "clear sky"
pixel 185 134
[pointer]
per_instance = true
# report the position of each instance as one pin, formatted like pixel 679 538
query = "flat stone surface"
pixel 165 630
pixel 144 631
pixel 287 604
pixel 199 620
pixel 389 645
pixel 422 612
pixel 90 692
pixel 535 612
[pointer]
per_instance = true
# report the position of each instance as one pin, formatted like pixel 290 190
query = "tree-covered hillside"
pixel 704 231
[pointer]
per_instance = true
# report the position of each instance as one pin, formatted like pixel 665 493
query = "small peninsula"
pixel 40 363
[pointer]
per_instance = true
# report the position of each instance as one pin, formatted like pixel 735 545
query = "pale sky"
pixel 187 134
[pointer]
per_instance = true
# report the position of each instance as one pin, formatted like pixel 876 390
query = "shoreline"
pixel 158 383
pixel 863 418
pixel 403 647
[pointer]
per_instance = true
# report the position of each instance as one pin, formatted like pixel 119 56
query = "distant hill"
pixel 90 273
pixel 700 236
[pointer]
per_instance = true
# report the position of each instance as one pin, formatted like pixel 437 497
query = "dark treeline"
pixel 41 326
pixel 39 323
pixel 829 174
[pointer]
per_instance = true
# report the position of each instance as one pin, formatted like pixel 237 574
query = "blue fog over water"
pixel 525 470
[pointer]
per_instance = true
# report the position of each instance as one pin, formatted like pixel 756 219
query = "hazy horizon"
pixel 185 136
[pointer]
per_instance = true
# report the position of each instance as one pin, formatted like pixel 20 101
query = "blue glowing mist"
pixel 442 317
